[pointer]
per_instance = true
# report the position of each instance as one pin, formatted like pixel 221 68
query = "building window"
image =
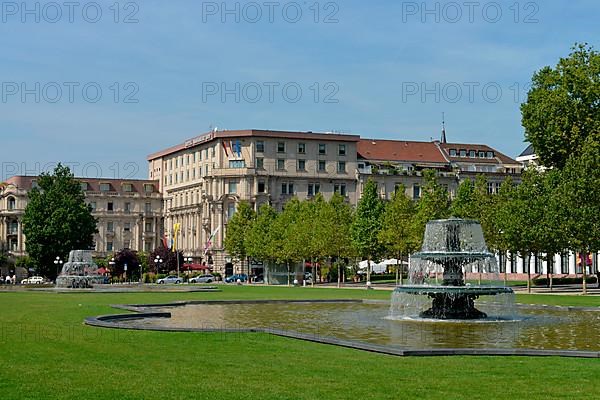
pixel 148 207
pixel 287 188
pixel 233 187
pixel 416 191
pixel 322 148
pixel 260 146
pixel 237 164
pixel 110 206
pixel 452 152
pixel 127 227
pixel 148 226
pixel 230 210
pixel 472 153
pixel 481 154
pixel 206 170
pixel 84 186
pixel 109 246
pixel 322 165
pixel 341 149
pixel 127 244
pixel 127 187
pixel 261 186
pixel 340 188
pixel 12 203
pixel 110 226
pixel 127 207
pixel 280 164
pixel 341 167
pixel 148 188
pixel 490 188
pixel 301 148
pixel 260 162
pixel 564 263
pixel 313 189
pixel 301 165
pixel 463 152
pixel 281 147
pixel 93 205
pixel 105 187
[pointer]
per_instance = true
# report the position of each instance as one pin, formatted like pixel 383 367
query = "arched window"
pixel 12 203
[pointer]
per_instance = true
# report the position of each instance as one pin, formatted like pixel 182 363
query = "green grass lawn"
pixel 46 352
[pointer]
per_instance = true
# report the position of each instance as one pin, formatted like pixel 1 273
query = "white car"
pixel 34 280
pixel 169 279
pixel 208 278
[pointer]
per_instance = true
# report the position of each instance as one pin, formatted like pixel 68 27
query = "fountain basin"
pixel 469 290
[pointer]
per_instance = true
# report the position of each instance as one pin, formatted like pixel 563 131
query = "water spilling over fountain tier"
pixel 80 271
pixel 452 249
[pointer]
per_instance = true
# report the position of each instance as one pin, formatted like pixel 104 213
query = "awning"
pixel 195 267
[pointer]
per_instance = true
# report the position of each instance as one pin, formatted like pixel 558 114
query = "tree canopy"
pixel 57 220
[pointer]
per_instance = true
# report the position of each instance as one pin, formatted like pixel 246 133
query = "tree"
pixel 126 257
pixel 336 221
pixel 579 195
pixel 398 234
pixel 285 230
pixel 260 235
pixel 563 107
pixel 57 220
pixel 367 224
pixel 235 242
pixel 169 260
pixel 433 204
pixel 464 204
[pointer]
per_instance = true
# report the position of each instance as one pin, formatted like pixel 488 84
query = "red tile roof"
pixel 399 150
pixel 499 158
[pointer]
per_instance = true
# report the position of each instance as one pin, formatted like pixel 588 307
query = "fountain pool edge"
pixel 113 321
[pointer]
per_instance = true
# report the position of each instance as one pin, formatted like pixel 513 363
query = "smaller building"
pixel 129 213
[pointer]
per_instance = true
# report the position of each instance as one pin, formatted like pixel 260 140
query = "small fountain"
pixel 80 271
pixel 453 269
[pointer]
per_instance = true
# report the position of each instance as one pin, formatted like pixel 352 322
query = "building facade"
pixel 129 214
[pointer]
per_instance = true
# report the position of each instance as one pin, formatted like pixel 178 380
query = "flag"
pixel 238 146
pixel 176 229
pixel 225 148
pixel 164 241
pixel 208 245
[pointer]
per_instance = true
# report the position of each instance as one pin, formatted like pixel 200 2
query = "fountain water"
pixel 80 271
pixel 453 269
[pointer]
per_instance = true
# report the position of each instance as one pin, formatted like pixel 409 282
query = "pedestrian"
pixel 7 280
pixel 14 279
pixel 1 279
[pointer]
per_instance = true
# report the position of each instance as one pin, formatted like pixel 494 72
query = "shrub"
pixel 563 281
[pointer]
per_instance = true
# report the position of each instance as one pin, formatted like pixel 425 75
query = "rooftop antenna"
pixel 443 128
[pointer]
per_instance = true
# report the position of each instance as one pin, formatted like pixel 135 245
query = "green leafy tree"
pixel 285 231
pixel 259 237
pixel 367 225
pixel 579 195
pixel 239 225
pixel 57 220
pixel 562 108
pixel 336 222
pixel 464 204
pixel 398 234
pixel 433 204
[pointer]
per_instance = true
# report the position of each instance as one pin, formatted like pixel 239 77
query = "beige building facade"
pixel 129 214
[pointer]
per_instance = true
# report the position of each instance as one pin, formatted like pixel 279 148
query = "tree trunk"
pixel 339 271
pixel 583 269
pixel 368 271
pixel 528 273
pixel 550 270
pixel 288 272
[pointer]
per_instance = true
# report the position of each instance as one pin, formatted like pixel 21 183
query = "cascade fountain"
pixel 452 270
pixel 80 271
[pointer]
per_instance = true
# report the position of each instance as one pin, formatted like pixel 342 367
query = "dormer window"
pixel 463 152
pixel 472 153
pixel 84 186
pixel 127 187
pixel 490 154
pixel 481 154
pixel 105 187
pixel 452 152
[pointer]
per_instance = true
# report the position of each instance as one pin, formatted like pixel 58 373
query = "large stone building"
pixel 204 178
pixel 129 213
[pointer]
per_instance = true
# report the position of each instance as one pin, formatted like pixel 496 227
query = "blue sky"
pixel 391 68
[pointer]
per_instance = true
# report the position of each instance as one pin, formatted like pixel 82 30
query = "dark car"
pixel 234 278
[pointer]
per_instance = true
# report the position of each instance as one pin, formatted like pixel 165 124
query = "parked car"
pixel 169 279
pixel 33 280
pixel 208 278
pixel 234 278
pixel 258 279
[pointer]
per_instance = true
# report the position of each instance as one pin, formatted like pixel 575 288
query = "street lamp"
pixel 112 264
pixel 57 262
pixel 157 261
